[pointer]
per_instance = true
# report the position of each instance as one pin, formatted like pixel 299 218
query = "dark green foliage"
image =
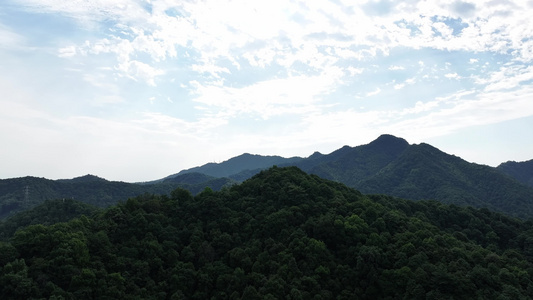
pixel 521 171
pixel 424 172
pixel 352 165
pixel 190 178
pixel 20 194
pixel 282 234
pixel 389 165
pixel 47 213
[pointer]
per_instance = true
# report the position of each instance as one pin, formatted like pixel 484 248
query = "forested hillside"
pixel 424 172
pixel 47 213
pixel 283 234
pixel 521 171
pixel 390 165
pixel 238 164
pixel 351 165
pixel 20 194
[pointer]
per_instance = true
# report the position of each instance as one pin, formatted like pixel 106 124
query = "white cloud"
pixel 292 95
pixel 373 93
pixel 234 31
pixel 138 70
pixel 507 78
pixel 399 86
pixel 211 69
pixel 408 81
pixel 67 51
pixel 395 68
pixel 452 76
pixel 354 71
pixel 225 63
pixel 443 29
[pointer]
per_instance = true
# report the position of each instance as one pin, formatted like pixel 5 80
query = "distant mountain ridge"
pixel 85 178
pixel 282 234
pixel 350 165
pixel 390 165
pixel 238 164
pixel 521 171
pixel 387 165
pixel 21 194
pixel 424 172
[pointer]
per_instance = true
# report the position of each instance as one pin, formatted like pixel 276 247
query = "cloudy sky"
pixel 138 90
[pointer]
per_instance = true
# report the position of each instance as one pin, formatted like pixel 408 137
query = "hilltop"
pixel 388 165
pixel 281 233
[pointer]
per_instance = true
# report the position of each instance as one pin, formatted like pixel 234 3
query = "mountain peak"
pixel 390 143
pixel 389 138
pixel 315 154
pixel 87 178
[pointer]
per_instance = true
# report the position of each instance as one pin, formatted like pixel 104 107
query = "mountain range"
pixel 521 171
pixel 388 165
pixel 282 234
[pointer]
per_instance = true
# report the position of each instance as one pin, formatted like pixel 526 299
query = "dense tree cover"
pixel 47 213
pixel 521 171
pixel 20 194
pixel 424 172
pixel 387 165
pixel 282 234
pixel 351 165
pixel 390 165
pixel 196 182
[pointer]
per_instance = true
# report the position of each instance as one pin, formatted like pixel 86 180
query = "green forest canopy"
pixel 283 234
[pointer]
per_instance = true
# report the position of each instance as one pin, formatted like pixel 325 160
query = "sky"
pixel 137 90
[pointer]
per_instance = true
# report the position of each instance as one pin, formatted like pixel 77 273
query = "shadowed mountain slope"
pixel 521 171
pixel 47 213
pixel 350 165
pixel 390 165
pixel 239 164
pixel 424 172
pixel 20 194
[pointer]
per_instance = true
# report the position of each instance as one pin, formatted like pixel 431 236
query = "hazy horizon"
pixel 137 90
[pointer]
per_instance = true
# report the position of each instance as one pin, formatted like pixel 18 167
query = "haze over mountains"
pixel 388 165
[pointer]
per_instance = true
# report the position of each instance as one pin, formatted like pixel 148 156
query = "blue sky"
pixel 137 90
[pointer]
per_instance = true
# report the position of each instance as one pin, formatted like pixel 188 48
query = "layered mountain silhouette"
pixel 240 167
pixel 521 171
pixel 20 194
pixel 388 165
pixel 282 234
